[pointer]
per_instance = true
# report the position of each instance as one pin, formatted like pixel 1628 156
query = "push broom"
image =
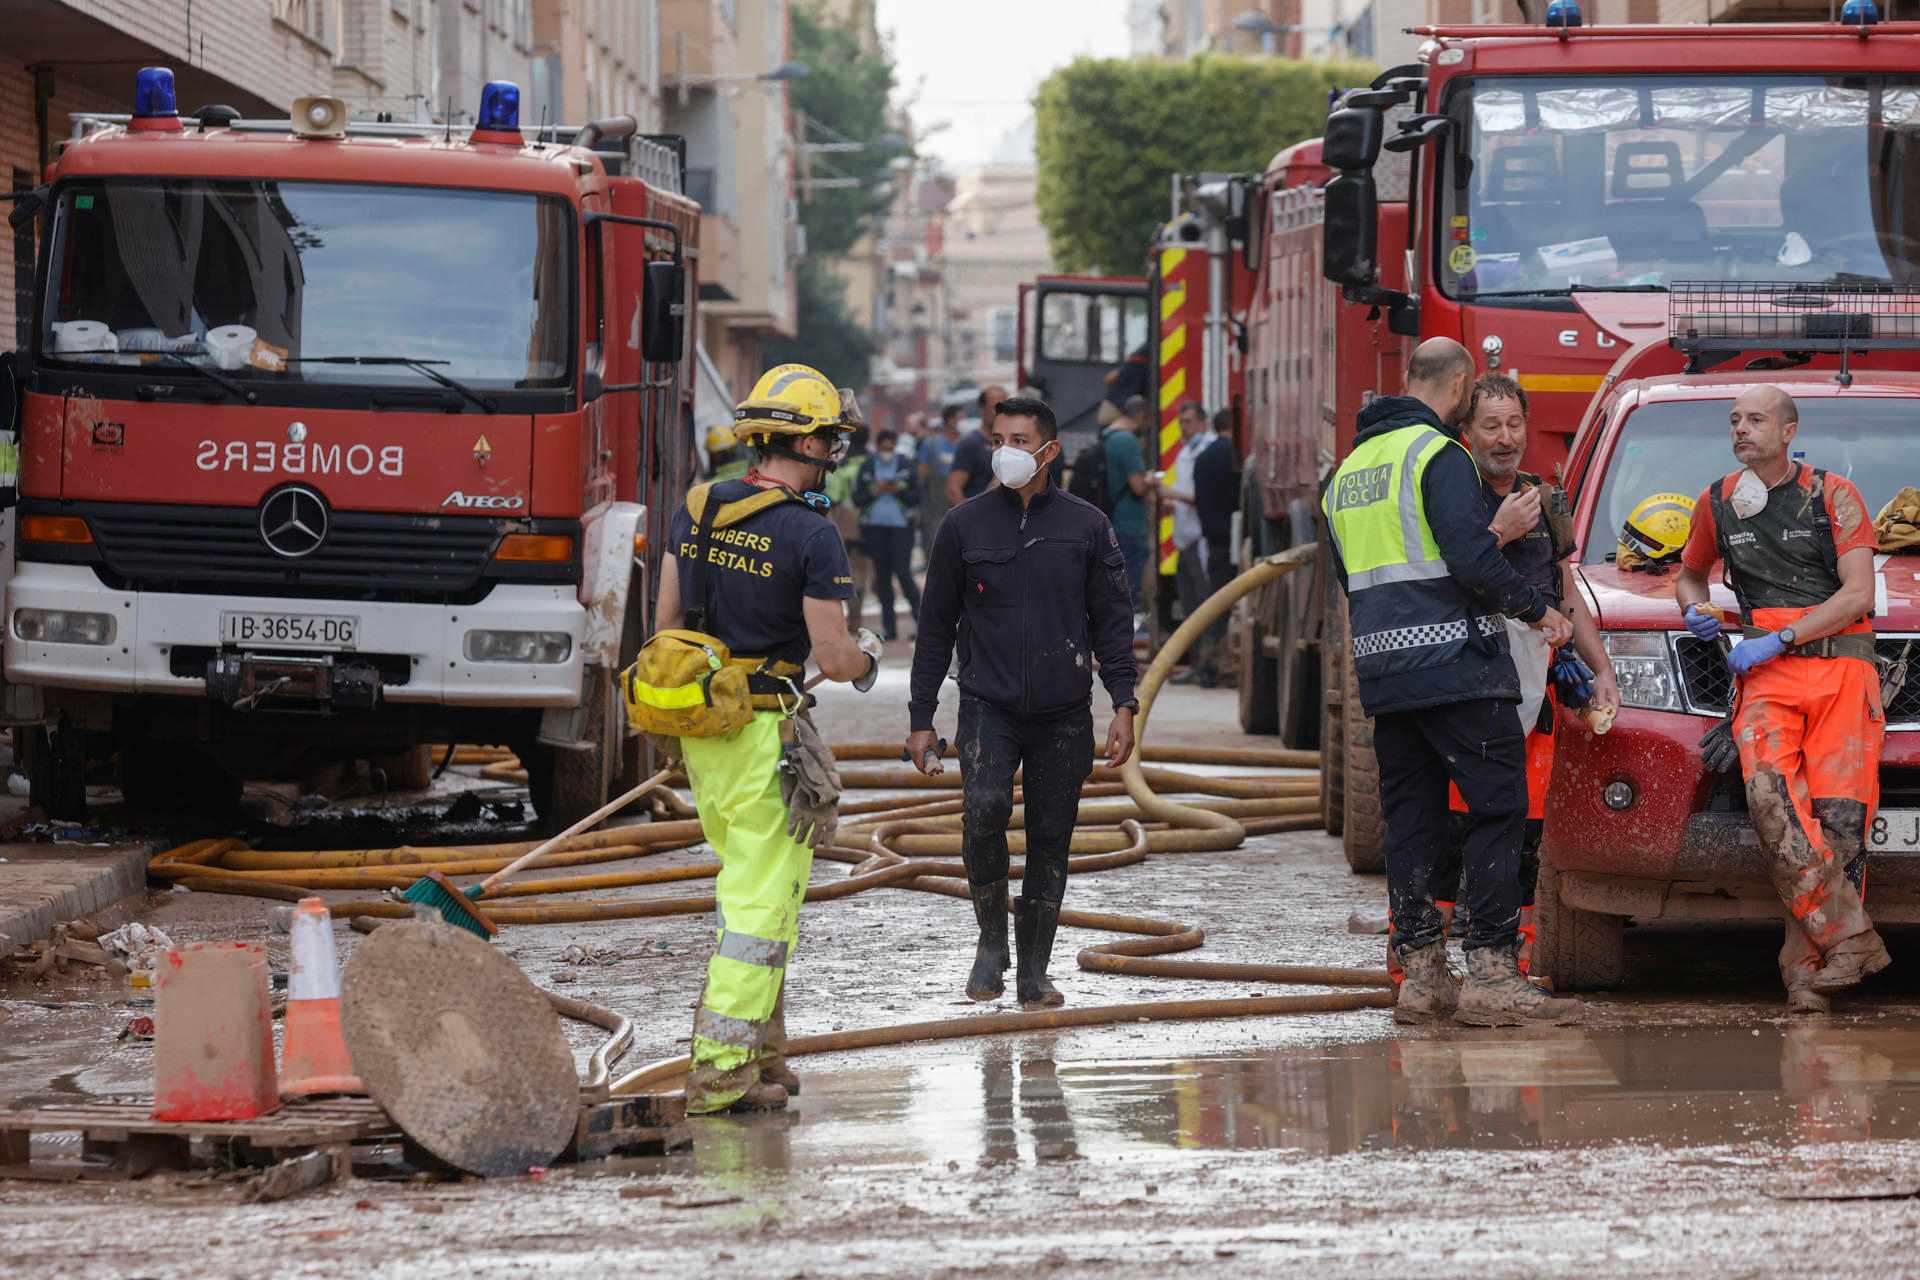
pixel 460 907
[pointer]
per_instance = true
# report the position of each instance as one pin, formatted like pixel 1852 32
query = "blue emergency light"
pixel 1564 13
pixel 153 94
pixel 1860 13
pixel 499 107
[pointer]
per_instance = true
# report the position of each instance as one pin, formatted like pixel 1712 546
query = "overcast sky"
pixel 974 66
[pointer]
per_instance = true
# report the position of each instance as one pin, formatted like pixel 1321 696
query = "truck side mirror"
pixel 1418 131
pixel 663 313
pixel 1350 235
pixel 1352 138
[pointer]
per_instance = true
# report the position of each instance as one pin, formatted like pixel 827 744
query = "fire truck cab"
pixel 341 438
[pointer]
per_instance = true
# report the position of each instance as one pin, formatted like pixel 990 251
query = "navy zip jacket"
pixel 1451 495
pixel 1032 596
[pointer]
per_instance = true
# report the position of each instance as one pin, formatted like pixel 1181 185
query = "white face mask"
pixel 1013 467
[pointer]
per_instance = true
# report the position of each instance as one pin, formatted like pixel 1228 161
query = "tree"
pixel 1110 132
pixel 828 335
pixel 842 99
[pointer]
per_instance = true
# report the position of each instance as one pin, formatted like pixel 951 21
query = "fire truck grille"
pixel 364 555
pixel 1704 675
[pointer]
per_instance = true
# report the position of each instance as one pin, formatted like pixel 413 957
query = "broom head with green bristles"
pixel 457 907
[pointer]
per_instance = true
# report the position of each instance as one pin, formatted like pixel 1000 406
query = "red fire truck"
pixel 1500 191
pixel 339 438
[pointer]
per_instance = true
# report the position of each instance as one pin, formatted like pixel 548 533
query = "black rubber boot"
pixel 1034 922
pixel 990 957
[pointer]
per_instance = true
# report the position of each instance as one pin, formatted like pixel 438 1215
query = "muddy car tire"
pixel 1333 737
pixel 1575 950
pixel 1364 828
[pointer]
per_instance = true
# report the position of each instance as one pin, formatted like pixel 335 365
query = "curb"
pixel 45 885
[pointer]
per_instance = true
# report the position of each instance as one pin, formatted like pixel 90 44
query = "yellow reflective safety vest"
pixel 1405 612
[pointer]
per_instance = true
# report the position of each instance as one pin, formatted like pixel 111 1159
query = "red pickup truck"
pixel 1636 826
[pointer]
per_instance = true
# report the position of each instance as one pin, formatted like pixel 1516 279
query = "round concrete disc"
pixel 460 1048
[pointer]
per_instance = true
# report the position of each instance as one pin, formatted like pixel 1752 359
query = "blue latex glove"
pixel 1751 652
pixel 1573 678
pixel 1703 625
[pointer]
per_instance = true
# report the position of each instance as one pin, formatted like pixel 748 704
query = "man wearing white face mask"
pixel 1029 581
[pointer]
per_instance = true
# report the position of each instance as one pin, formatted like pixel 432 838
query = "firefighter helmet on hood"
pixel 1655 532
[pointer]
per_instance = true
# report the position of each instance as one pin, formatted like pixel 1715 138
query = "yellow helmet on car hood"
pixel 1655 532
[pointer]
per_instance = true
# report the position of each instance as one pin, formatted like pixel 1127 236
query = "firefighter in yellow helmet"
pixel 1655 533
pixel 756 577
pixel 724 454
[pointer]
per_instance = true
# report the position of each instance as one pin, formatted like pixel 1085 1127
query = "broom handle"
pixel 593 819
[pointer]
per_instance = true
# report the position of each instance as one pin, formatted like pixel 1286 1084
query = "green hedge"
pixel 1110 132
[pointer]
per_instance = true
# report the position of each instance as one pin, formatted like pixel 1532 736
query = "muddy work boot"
pixel 1808 1003
pixel 1850 960
pixel 1496 995
pixel 990 956
pixel 773 1050
pixel 1428 992
pixel 1034 924
pixel 759 1097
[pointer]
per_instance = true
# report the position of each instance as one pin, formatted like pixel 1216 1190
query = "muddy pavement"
pixel 1691 1126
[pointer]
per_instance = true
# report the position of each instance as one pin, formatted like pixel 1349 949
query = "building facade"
pixel 991 242
pixel 596 58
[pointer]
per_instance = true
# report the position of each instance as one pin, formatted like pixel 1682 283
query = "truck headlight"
pixel 1643 665
pixel 544 647
pixel 62 626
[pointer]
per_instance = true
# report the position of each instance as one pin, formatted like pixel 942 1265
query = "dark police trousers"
pixel 1477 744
pixel 1057 752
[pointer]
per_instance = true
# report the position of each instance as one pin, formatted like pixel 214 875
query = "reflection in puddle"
pixel 1791 1085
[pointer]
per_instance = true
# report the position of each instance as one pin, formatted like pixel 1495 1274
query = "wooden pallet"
pixel 136 1144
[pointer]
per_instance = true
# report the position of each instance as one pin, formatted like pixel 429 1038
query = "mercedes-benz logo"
pixel 293 522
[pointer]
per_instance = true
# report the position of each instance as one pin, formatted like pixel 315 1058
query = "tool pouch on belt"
pixel 809 783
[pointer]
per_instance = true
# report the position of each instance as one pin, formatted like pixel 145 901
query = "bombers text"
pixel 301 458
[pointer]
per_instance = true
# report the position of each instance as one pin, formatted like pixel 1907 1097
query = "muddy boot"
pixel 990 956
pixel 1034 923
pixel 1495 995
pixel 1428 992
pixel 1850 960
pixel 1806 1002
pixel 773 1054
pixel 761 1097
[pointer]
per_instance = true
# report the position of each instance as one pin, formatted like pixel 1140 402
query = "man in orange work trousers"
pixel 1798 547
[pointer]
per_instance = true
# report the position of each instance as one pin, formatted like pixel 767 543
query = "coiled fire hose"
pixel 901 844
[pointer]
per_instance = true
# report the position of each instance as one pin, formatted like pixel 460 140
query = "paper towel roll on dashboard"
pixel 70 337
pixel 231 345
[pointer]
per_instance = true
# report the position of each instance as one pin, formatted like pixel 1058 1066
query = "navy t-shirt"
pixel 1531 555
pixel 974 455
pixel 760 570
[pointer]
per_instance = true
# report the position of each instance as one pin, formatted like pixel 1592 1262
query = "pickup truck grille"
pixel 1709 687
pixel 365 555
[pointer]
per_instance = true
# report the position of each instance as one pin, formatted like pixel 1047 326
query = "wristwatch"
pixel 1787 637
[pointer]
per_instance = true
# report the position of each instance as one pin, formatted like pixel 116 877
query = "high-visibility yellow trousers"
pixel 762 881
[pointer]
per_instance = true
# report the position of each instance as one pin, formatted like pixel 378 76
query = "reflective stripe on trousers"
pixel 762 881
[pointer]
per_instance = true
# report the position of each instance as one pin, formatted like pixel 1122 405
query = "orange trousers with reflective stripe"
pixel 1810 732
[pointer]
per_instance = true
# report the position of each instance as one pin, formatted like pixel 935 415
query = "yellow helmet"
pixel 1655 532
pixel 790 400
pixel 721 438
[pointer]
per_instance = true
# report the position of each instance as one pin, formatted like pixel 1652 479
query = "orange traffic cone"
pixel 314 1059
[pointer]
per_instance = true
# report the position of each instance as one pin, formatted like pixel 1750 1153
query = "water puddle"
pixel 1675 1087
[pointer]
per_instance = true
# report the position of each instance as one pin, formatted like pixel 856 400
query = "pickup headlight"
pixel 1643 665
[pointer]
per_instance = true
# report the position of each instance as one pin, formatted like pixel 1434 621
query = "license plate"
pixel 289 630
pixel 1895 831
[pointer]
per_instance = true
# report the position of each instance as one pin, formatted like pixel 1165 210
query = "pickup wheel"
pixel 1333 734
pixel 1364 826
pixel 1258 682
pixel 55 763
pixel 1575 950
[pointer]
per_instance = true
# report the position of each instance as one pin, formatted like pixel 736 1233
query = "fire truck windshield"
pixel 1558 183
pixel 246 278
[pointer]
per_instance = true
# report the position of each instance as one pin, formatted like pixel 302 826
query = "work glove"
pixel 1573 678
pixel 1718 751
pixel 1703 625
pixel 869 644
pixel 1753 651
pixel 809 784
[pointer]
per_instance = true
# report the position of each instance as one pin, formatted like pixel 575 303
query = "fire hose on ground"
pixel 889 844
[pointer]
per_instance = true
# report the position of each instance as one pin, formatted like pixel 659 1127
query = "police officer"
pixel 1798 547
pixel 772 587
pixel 1428 592
pixel 1031 583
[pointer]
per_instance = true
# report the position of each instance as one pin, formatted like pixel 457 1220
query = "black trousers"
pixel 1057 754
pixel 1477 745
pixel 892 552
pixel 1219 574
